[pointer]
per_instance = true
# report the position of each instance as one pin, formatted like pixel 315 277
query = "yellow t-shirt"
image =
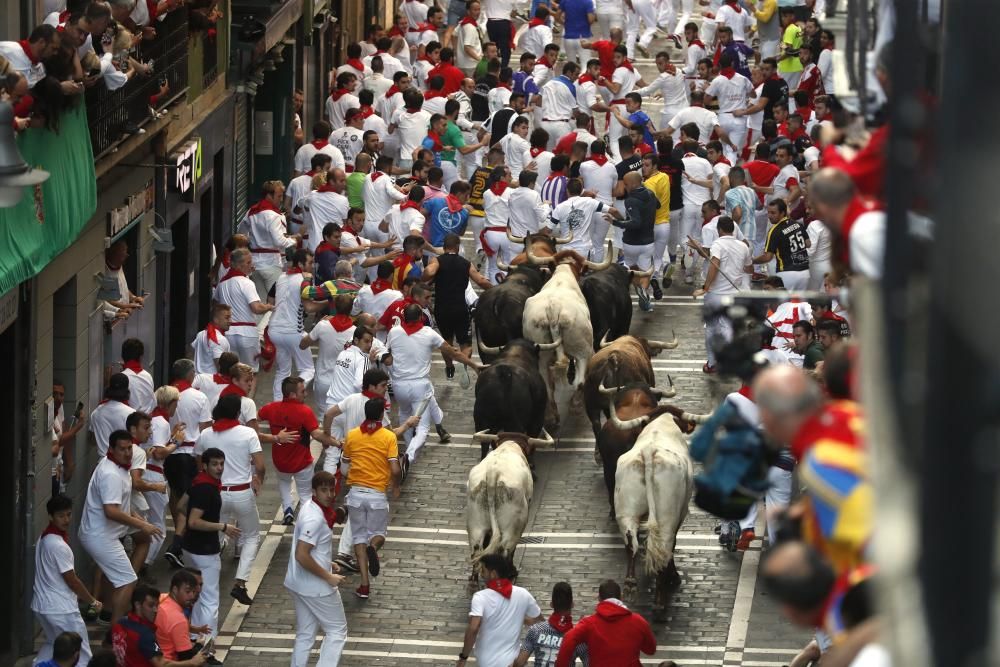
pixel 659 185
pixel 370 456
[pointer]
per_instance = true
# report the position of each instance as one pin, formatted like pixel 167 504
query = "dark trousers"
pixel 499 31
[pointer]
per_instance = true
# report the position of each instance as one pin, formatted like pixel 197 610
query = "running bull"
pixel 510 392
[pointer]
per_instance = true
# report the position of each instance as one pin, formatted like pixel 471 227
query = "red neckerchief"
pixel 341 323
pixel 425 58
pixel 454 206
pixel 734 6
pixel 27 51
pixel 424 27
pixel 263 205
pixel 204 478
pixel 728 72
pixel 159 412
pixel 293 270
pixel 123 467
pixel 372 394
pixel 467 20
pixel 409 203
pixel 52 530
pixel 340 92
pixel 436 146
pixel 432 94
pixel 226 254
pixel 498 188
pixel 393 89
pixel 381 284
pixel 627 64
pixel 225 424
pixel 325 247
pixel 368 426
pixel 212 333
pixel 501 586
pixel 375 177
pixel 696 42
pixel 219 378
pixel 396 32
pixel 326 187
pixel 232 388
pixel 584 78
pixel 412 327
pixel 505 86
pixel 356 64
pixel 544 61
pixel 182 385
pixel 535 22
pixel 556 174
pixel 319 144
pixel 133 365
pixel 600 159
pixel 329 513
pixel 562 623
pixel 723 160
pixel 366 111
pixel 535 152
pixel 746 391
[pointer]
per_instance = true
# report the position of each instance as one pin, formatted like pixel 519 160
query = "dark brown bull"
pixel 624 361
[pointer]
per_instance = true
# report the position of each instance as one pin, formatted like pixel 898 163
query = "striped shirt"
pixel 554 190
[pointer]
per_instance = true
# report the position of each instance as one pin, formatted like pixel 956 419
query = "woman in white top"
pixel 285 328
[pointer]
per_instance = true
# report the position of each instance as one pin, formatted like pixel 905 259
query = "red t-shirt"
pixel 606 54
pixel 762 173
pixel 452 77
pixel 565 145
pixel 393 315
pixel 291 415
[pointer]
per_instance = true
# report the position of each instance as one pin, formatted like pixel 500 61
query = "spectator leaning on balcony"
pixel 26 55
pixel 14 89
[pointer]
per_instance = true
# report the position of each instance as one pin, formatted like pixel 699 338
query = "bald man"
pixel 857 225
pixel 637 232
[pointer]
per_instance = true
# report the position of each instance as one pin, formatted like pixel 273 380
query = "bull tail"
pixel 496 493
pixel 657 553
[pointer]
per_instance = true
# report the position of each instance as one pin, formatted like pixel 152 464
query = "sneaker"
pixel 212 660
pixel 347 562
pixel 239 593
pixel 289 517
pixel 174 558
pixel 404 467
pixel 708 370
pixel 689 279
pixel 677 41
pixel 746 537
pixel 657 292
pixel 443 436
pixel 729 535
pixel 449 371
pixel 104 618
pixel 643 299
pixel 668 277
pixel 374 567
pixel 363 592
pixel 621 259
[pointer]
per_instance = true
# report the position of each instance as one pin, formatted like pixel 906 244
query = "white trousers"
pixel 346 544
pixel 708 28
pixel 642 10
pixel 769 48
pixel 795 280
pixel 246 348
pixel 616 237
pixel 778 495
pixel 476 223
pixel 736 128
pixel 450 171
pixel 321 385
pixel 312 613
pixel 615 131
pixel 818 269
pixel 574 52
pixel 206 609
pixel 666 13
pixel 609 20
pixel 303 484
pixel 241 507
pixel 54 625
pixel 409 394
pixel 692 228
pixel 502 250
pixel 558 129
pixel 286 347
pixel 684 16
pixel 717 328
pixel 661 239
pixel 265 275
pixel 598 234
pixel 157 516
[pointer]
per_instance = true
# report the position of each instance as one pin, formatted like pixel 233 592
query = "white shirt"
pixel 304 156
pixel 782 182
pixel 498 98
pixel 627 79
pixel 348 141
pixel 239 444
pixel 733 257
pixel 331 344
pixel 696 167
pixel 672 87
pixel 528 212
pixel 732 94
pixel 497 644
pixel 695 53
pixel 746 408
pixel 755 121
pixel 498 9
pixel 389 105
pixel 811 156
pixel 311 528
pixel 206 384
pixel 192 410
pixel 576 215
pixel 599 179
pixel 20 62
pixel 783 319
pixel 379 82
pixel 710 232
pixel 319 208
pixel 238 293
pixel 267 231
pixel 739 20
pixel 109 485
pixel 434 105
pixel 534 40
pixel 705 120
pixel 376 124
pixel 107 417
pixel 866 242
pixel 352 411
pixel 287 315
pixel 517 153
pixel 140 390
pixel 390 65
pixel 348 373
pixel 412 128
pixel 543 167
pixel 159 436
pixel 820 242
pixel 415 11
pixel 825 63
pixel 379 193
pixel 402 223
pixel 335 110
pixel 298 188
pixel 497 207
pixel 207 353
pixel 558 101
pixel 51 594
pixel 411 354
pixel 362 74
pixel 471 36
pixel 138 500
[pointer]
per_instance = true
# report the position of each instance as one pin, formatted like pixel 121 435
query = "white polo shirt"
pixel 192 410
pixel 331 344
pixel 318 208
pixel 238 293
pixel 374 304
pixel 599 179
pixel 348 140
pixel 207 352
pixel 576 215
pixel 348 373
pixel 107 417
pixel 502 620
pixel 412 128
pixel 528 211
pixel 51 594
pixel 206 384
pixel 303 157
pixel 403 223
pixel 411 353
pixel 109 485
pixel 239 444
pixel 732 93
pixel 287 315
pixel 140 390
pixel 311 528
pixel 379 193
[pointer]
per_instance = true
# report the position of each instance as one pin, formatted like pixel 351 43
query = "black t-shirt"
pixel 500 124
pixel 787 240
pixel 776 91
pixel 208 499
pixel 633 163
pixel 449 283
pixel 674 171
pixel 480 102
pixel 478 184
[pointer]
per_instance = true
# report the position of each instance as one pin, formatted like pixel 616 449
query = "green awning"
pixel 50 217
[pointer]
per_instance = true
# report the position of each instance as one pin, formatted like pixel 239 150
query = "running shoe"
pixel 363 592
pixel 374 567
pixel 746 537
pixel 239 593
pixel 443 436
pixel 347 562
pixel 657 292
pixel 289 518
pixel 404 467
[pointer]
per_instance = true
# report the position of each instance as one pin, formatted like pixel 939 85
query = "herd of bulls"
pixel 545 332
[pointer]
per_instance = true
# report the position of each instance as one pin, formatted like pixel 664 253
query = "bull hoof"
pixel 629 590
pixel 597 457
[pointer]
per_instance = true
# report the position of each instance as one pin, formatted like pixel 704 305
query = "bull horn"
pixel 559 240
pixel 549 346
pixel 486 349
pixel 660 345
pixel 697 419
pixel 669 393
pixel 503 266
pixel 544 441
pixel 608 391
pixel 598 266
pixel 628 424
pixel 485 436
pixel 642 274
pixel 604 340
pixel 514 239
pixel 535 259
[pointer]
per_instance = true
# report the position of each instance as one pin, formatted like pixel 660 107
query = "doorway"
pixel 181 290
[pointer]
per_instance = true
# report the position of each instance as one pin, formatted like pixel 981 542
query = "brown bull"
pixel 623 361
pixel 540 244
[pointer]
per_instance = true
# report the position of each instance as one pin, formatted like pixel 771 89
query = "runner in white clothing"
pixel 559 102
pixel 348 139
pixel 599 175
pixel 238 292
pixel 299 187
pixel 576 217
pixel 623 81
pixel 268 233
pixel 140 382
pixel 670 85
pixel 110 414
pixel 323 205
pixel 380 193
pixel 211 342
pixel 286 326
pixel 737 18
pixel 528 211
pixel 515 147
pixel 320 145
pixel 696 189
pixel 732 91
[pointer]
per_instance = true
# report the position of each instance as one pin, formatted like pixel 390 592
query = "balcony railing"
pixel 114 115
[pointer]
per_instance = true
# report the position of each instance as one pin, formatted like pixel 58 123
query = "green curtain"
pixel 48 219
